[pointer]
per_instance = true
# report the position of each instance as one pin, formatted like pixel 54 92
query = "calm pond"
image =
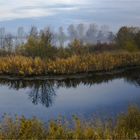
pixel 101 95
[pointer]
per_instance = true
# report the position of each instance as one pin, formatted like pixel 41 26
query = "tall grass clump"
pixel 21 65
pixel 126 126
pixel 93 62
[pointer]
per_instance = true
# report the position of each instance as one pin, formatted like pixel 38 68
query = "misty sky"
pixel 54 13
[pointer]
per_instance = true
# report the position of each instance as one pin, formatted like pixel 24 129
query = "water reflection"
pixel 133 77
pixel 43 92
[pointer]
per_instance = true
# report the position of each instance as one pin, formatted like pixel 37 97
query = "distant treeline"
pixel 38 55
pixel 76 40
pixel 90 34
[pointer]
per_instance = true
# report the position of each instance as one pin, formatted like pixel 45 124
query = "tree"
pixel 105 29
pixel 2 35
pixel 8 42
pixel 91 34
pixel 80 32
pixel 33 32
pixel 20 36
pixel 75 46
pixel 31 48
pixel 72 32
pixel 130 46
pixel 110 37
pixel 137 39
pixel 61 37
pixel 105 33
pixel 46 38
pixel 100 36
pixel 125 38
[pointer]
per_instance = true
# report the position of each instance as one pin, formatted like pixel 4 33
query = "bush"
pixel 130 46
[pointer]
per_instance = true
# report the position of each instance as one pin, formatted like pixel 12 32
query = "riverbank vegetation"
pixel 125 126
pixel 39 56
pixel 25 66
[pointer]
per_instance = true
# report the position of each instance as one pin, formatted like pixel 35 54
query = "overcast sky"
pixel 115 13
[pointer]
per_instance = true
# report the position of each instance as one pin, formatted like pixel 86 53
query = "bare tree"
pixel 20 36
pixel 105 32
pixel 61 37
pixel 81 31
pixel 8 42
pixel 111 37
pixel 2 35
pixel 33 32
pixel 91 34
pixel 72 32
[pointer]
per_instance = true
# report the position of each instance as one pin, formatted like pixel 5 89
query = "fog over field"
pixel 115 13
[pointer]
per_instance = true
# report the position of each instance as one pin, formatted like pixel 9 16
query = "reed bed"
pixel 21 65
pixel 93 62
pixel 126 126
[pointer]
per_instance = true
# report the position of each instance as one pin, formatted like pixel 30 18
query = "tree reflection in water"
pixel 44 91
pixel 41 92
pixel 133 77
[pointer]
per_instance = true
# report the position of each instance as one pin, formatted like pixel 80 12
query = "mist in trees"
pixel 88 34
pixel 64 42
pixel 61 36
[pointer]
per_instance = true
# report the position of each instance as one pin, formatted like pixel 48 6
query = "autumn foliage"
pixel 126 126
pixel 21 65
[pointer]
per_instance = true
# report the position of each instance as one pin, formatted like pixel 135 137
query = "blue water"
pixel 84 97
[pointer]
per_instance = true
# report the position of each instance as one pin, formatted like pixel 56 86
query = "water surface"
pixel 104 96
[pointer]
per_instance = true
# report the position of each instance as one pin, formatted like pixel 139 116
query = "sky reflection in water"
pixel 103 96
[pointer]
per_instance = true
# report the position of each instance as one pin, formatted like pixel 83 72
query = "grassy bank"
pixel 25 66
pixel 126 126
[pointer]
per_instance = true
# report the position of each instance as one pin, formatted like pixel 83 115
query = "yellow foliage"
pixel 125 126
pixel 20 65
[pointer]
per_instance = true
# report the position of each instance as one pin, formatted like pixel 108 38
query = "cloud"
pixel 60 12
pixel 17 9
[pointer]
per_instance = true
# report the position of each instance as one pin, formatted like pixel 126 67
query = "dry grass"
pixel 20 65
pixel 127 126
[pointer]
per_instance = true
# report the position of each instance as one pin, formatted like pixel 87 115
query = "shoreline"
pixel 67 76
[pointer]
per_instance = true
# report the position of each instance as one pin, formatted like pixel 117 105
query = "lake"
pixel 102 95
